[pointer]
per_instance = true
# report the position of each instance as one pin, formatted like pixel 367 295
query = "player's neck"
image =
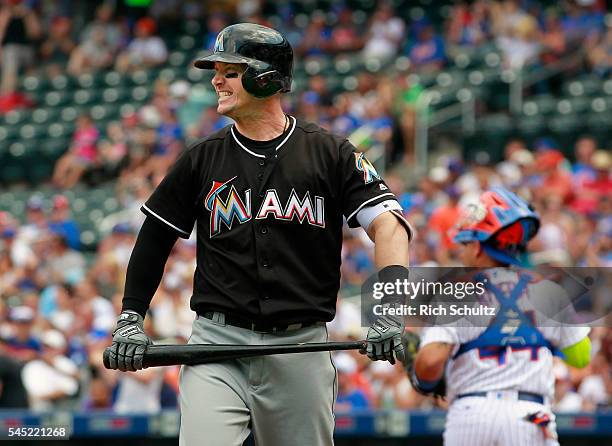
pixel 264 125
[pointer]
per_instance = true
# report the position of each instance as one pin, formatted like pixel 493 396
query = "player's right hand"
pixel 384 340
pixel 129 343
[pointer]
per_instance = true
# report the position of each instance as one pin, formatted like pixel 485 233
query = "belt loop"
pixel 219 317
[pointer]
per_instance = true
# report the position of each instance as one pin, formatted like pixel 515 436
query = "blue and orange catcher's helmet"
pixel 502 222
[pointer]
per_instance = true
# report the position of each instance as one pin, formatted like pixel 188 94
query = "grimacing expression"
pixel 231 95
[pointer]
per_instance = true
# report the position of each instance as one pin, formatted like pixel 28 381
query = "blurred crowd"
pixel 58 303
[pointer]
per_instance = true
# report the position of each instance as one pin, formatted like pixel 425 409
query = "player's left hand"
pixel 384 339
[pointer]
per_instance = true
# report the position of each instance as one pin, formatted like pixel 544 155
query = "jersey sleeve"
pixel 572 335
pixel 174 201
pixel 363 187
pixel 555 314
pixel 446 335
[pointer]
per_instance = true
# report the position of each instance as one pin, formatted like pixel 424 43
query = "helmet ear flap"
pixel 262 84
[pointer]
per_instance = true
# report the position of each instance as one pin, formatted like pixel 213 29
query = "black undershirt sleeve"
pixel 146 266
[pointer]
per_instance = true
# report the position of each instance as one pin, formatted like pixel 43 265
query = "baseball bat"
pixel 194 354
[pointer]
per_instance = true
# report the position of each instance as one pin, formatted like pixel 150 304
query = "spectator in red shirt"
pixel 444 218
pixel 345 36
pixel 555 181
pixel 594 190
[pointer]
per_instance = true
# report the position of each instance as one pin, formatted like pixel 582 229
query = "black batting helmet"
pixel 265 51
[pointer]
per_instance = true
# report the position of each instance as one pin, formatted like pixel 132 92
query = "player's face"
pixel 231 96
pixel 468 253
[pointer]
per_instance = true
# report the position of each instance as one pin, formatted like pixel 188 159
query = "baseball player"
pixel 498 377
pixel 268 195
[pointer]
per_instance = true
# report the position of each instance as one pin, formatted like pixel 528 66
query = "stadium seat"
pixel 374 65
pixel 170 74
pixel 90 80
pixel 178 58
pixel 45 115
pixel 17 207
pixel 546 104
pixel 451 78
pixel 54 147
pixel 60 129
pixel 31 131
pixel 491 134
pixel 583 86
pixel 17 117
pixel 142 77
pixel 6 199
pixel 316 65
pixel 566 128
pixel 7 134
pixel 34 83
pixel 580 104
pixel 114 79
pixel 599 124
pixel 13 167
pixel 104 112
pixel 531 127
pixel 86 96
pixel 141 93
pixel 61 82
pixel 39 171
pixel 58 98
pixel 599 104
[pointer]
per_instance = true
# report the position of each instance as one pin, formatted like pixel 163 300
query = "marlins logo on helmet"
pixel 219 44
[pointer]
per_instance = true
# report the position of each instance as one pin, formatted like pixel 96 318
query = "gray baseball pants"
pixel 283 399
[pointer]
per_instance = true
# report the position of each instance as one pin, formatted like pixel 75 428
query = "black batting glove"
pixel 129 343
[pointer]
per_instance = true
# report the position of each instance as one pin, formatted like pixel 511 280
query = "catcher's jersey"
pixel 525 369
pixel 269 220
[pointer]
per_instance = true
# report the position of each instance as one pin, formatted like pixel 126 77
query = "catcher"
pixel 499 388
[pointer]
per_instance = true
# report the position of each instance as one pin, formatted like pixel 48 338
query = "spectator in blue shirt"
pixel 215 23
pixel 21 344
pixel 60 222
pixel 350 397
pixel 428 52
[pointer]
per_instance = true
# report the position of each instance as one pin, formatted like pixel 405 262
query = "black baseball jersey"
pixel 269 223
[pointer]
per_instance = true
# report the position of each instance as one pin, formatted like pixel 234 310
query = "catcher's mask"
pixel 265 51
pixel 502 222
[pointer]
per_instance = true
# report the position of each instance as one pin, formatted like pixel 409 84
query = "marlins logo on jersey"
pixel 234 207
pixel 225 211
pixel 365 166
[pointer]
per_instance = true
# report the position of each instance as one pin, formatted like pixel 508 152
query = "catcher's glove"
pixel 411 343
